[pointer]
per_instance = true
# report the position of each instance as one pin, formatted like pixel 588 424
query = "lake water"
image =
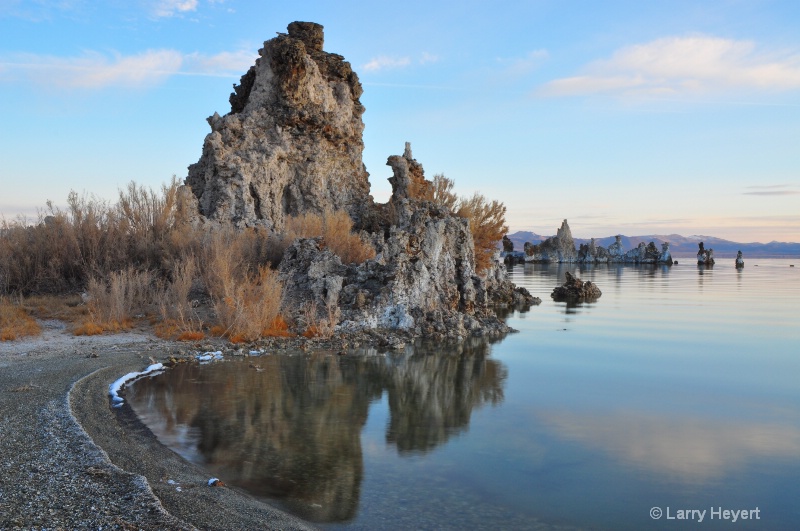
pixel 679 389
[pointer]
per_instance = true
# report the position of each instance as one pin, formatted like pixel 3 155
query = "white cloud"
pixel 169 8
pixel 681 65
pixel 94 70
pixel 221 64
pixel 383 62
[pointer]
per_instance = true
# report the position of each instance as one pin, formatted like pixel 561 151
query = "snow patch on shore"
pixel 116 387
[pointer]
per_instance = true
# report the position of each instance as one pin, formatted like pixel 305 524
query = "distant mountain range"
pixel 680 245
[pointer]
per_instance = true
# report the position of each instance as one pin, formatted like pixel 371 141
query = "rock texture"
pixel 292 142
pixel 574 289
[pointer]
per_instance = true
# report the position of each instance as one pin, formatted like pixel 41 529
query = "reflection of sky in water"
pixel 678 387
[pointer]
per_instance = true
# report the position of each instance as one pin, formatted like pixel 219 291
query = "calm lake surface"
pixel 678 389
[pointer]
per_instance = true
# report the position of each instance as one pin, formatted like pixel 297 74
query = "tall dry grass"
pixel 179 316
pixel 114 302
pixel 15 322
pixel 336 230
pixel 247 296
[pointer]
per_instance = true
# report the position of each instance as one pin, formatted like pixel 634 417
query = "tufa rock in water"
pixel 740 260
pixel 559 248
pixel 574 290
pixel 292 142
pixel 705 256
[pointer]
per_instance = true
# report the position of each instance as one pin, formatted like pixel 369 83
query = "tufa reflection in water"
pixel 289 427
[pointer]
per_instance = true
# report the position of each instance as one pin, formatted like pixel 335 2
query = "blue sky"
pixel 624 117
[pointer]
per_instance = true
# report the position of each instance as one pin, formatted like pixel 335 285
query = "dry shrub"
pixel 443 192
pixel 246 300
pixel 487 223
pixel 336 229
pixel 15 322
pixel 63 248
pixel 113 303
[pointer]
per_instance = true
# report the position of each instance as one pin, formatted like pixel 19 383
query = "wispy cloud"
pixel 684 65
pixel 94 70
pixel 772 189
pixel 384 62
pixel 170 8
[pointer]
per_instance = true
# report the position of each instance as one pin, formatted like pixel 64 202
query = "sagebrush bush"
pixel 487 223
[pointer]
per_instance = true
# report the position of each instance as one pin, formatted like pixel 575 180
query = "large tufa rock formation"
pixel 292 142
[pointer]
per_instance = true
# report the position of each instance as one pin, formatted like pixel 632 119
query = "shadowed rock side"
pixel 292 142
pixel 561 249
pixel 574 289
pixel 289 427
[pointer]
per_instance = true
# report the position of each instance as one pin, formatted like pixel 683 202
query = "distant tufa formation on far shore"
pixel 291 145
pixel 561 249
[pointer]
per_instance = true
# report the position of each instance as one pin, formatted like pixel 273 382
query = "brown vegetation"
pixel 15 322
pixel 134 260
pixel 336 230
pixel 487 220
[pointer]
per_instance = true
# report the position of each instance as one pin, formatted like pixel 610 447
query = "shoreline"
pixel 71 461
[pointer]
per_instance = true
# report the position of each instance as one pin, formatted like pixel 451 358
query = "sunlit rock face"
pixel 292 142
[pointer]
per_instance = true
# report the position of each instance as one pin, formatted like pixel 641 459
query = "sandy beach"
pixel 70 461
